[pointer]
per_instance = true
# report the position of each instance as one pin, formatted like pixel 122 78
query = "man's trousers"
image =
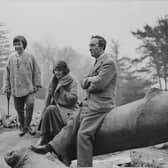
pixel 81 128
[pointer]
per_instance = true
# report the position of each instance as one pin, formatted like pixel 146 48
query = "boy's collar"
pixel 19 55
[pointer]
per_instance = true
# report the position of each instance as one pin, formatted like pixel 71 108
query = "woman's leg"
pixel 51 123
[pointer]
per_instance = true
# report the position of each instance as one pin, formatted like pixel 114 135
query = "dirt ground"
pixel 152 156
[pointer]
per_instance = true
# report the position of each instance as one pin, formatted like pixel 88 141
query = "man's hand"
pixel 85 83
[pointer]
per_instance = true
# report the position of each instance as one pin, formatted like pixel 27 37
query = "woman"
pixel 61 102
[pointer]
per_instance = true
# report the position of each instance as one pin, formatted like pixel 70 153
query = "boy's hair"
pixel 22 39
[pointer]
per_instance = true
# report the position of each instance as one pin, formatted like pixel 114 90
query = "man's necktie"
pixel 95 62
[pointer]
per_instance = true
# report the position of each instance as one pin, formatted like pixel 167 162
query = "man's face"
pixel 94 48
pixel 58 74
pixel 18 47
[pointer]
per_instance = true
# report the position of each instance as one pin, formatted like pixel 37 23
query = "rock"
pixel 9 139
pixel 10 121
pixel 162 146
pixel 25 158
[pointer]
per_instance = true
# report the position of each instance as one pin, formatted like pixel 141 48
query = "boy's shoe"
pixel 23 132
pixel 31 131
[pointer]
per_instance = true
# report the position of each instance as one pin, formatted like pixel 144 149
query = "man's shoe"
pixel 65 159
pixel 42 149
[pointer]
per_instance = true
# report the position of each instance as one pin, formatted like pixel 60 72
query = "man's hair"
pixel 102 41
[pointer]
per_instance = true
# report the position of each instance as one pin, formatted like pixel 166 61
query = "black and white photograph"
pixel 83 83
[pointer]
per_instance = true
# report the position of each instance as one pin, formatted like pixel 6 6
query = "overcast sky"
pixel 72 22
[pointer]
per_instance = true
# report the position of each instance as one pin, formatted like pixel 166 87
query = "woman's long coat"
pixel 64 94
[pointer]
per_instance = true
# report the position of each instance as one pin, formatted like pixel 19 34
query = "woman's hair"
pixel 61 66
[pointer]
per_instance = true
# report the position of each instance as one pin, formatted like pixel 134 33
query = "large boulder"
pixel 10 140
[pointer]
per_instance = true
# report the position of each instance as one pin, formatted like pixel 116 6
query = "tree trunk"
pixel 165 79
pixel 160 84
pixel 165 76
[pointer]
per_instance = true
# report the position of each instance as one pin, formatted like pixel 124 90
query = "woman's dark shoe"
pixel 42 141
pixel 42 149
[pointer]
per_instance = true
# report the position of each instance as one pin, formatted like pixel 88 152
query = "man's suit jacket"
pixel 100 84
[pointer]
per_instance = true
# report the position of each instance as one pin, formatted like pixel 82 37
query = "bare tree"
pixel 46 56
pixel 4 45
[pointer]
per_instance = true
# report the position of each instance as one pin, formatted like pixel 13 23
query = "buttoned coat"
pixel 22 75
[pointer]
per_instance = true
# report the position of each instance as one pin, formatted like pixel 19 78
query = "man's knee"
pixel 82 134
pixel 85 133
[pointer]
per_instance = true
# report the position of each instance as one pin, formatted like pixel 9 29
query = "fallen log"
pixel 138 124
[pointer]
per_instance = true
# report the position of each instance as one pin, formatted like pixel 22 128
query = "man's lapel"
pixel 97 65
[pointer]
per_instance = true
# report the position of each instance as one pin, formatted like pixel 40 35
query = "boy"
pixel 22 80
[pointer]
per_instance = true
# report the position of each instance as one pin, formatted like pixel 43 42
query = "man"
pixel 22 80
pixel 100 87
